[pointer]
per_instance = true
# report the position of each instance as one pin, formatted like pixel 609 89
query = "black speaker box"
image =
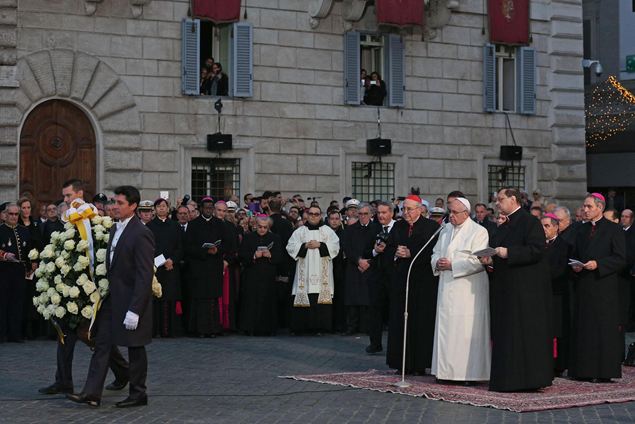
pixel 511 153
pixel 378 146
pixel 218 142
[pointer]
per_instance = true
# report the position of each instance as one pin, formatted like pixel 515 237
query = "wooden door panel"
pixel 57 143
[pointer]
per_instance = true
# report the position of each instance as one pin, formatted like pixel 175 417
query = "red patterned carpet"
pixel 564 393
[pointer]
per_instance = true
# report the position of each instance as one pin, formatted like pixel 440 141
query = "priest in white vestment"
pixel 313 247
pixel 462 350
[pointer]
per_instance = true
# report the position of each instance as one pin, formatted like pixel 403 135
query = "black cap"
pixel 3 206
pixel 101 198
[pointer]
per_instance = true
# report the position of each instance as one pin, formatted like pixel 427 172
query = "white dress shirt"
pixel 120 227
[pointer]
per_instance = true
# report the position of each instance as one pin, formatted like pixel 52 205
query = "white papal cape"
pixel 314 274
pixel 462 349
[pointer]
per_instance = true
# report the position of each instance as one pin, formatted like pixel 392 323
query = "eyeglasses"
pixel 313 214
pixel 363 213
pixel 457 213
pixel 13 213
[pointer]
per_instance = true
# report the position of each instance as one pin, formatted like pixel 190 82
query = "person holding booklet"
pixel 205 241
pixel 260 253
pixel 597 343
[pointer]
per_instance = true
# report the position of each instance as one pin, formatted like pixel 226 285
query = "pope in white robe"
pixel 462 350
pixel 314 268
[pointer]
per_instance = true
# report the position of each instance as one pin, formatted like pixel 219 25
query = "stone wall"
pixel 295 134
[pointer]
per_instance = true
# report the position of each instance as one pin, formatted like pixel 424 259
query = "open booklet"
pixel 575 262
pixel 210 245
pixel 267 247
pixel 485 253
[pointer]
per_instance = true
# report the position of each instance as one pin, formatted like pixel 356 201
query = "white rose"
pixel 100 255
pixel 60 312
pixel 60 262
pixel 36 301
pixel 82 245
pixel 103 284
pixel 101 269
pixel 59 288
pixel 51 291
pixel 61 238
pixel 95 297
pixel 107 222
pixel 65 270
pixel 56 299
pixel 39 273
pixel 65 255
pixel 41 285
pixel 50 267
pixel 72 308
pixel 55 236
pixel 96 220
pixel 70 233
pixel 83 259
pixel 57 279
pixel 68 225
pixel 46 314
pixel 99 229
pixel 106 238
pixel 69 245
pixel 33 254
pixel 78 266
pixel 51 309
pixel 89 287
pixel 82 279
pixel 87 312
pixel 47 253
pixel 66 290
pixel 44 298
pixel 99 236
pixel 73 292
pixel 41 309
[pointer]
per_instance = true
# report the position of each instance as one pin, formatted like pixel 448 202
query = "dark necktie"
pixel 385 228
pixel 183 228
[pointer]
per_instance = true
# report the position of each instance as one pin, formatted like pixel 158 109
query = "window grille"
pixel 373 180
pixel 499 176
pixel 219 178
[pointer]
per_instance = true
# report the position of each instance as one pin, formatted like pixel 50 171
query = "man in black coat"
pixel 286 265
pixel 206 241
pixel 334 219
pixel 522 351
pixel 406 239
pixel 125 316
pixel 358 243
pixel 597 342
pixel 481 218
pixel 379 287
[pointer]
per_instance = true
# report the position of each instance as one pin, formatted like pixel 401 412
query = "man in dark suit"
pixel 72 190
pixel 481 218
pixel 125 317
pixel 379 287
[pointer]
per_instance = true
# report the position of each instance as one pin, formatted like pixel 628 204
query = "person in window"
pixel 219 81
pixel 206 83
pixel 376 91
pixel 365 79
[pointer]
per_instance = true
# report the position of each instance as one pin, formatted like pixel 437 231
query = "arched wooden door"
pixel 57 143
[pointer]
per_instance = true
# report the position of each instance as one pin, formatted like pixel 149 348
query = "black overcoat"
pixel 357 243
pixel 168 242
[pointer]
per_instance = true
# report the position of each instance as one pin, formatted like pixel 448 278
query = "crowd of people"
pixel 514 291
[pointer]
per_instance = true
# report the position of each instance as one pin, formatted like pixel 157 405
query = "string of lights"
pixel 610 111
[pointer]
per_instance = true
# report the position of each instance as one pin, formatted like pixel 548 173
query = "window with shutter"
pixel 352 80
pixel 396 71
pixel 190 52
pixel 527 80
pixel 243 60
pixel 489 78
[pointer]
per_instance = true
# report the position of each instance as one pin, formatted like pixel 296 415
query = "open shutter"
pixel 526 63
pixel 396 77
pixel 190 56
pixel 352 77
pixel 489 78
pixel 242 54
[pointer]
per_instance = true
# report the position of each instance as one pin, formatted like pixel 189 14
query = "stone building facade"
pixel 120 63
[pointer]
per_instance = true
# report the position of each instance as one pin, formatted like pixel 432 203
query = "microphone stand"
pixel 403 383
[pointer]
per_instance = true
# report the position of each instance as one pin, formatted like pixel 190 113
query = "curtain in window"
pixel 508 21
pixel 399 12
pixel 217 11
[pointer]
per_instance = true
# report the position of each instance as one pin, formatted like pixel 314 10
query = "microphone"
pixel 446 218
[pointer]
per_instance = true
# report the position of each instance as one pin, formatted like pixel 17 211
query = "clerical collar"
pixel 162 219
pixel 206 219
pixel 552 238
pixel 596 221
pixel 513 212
pixel 313 227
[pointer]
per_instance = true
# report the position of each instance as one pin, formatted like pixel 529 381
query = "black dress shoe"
pixel 370 349
pixel 128 402
pixel 117 385
pixel 54 389
pixel 82 398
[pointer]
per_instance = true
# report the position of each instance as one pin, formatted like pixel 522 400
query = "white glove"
pixel 131 321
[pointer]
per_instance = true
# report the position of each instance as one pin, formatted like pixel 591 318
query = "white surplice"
pixel 462 348
pixel 313 272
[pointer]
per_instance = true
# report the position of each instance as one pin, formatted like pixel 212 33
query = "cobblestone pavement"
pixel 234 379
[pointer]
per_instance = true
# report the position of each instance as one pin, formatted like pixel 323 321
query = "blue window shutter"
pixel 352 78
pixel 489 78
pixel 396 78
pixel 190 56
pixel 243 57
pixel 526 62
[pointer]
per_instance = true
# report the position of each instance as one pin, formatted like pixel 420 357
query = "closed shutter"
pixel 489 78
pixel 190 56
pixel 396 70
pixel 526 80
pixel 352 77
pixel 242 54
